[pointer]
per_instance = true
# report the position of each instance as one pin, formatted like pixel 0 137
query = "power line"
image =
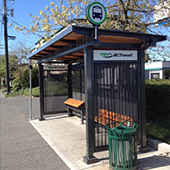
pixel 28 29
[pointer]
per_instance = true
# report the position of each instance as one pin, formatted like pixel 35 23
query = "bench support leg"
pixel 69 111
pixel 82 119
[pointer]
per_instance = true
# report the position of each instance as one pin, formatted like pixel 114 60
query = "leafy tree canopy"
pixel 126 15
pixel 17 59
pixel 12 66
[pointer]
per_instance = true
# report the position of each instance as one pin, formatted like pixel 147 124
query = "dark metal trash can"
pixel 123 146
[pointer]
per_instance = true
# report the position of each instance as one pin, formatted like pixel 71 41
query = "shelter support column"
pixel 41 91
pixel 142 102
pixel 69 81
pixel 69 84
pixel 89 101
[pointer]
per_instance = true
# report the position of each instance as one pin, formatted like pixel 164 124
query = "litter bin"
pixel 123 146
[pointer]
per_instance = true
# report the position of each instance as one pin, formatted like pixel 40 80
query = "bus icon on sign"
pixel 97 12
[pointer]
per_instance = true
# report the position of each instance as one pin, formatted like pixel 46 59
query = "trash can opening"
pixel 121 127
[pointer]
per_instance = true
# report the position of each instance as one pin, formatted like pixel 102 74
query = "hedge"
pixel 158 109
pixel 158 101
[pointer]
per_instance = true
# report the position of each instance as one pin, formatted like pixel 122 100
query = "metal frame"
pixel 69 81
pixel 77 70
pixel 66 52
pixel 57 106
pixel 141 100
pixel 89 104
pixel 114 96
pixel 41 89
pixel 78 110
pixel 87 44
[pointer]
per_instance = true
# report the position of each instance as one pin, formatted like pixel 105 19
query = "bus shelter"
pixel 108 75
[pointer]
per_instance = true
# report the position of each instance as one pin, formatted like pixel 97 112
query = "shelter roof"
pixel 69 44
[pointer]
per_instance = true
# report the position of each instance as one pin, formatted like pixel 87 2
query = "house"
pixel 157 70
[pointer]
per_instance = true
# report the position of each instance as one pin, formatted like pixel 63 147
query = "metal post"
pixel 96 32
pixel 6 46
pixel 89 101
pixel 139 135
pixel 69 81
pixel 142 105
pixel 30 101
pixel 41 91
pixel 80 82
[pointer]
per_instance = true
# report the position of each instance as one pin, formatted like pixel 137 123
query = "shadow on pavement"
pixel 156 161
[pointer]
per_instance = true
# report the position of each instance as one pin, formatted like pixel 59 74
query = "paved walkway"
pixel 22 147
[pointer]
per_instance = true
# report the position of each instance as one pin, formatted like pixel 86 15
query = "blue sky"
pixel 22 8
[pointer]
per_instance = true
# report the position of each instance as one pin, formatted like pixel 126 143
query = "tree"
pixel 19 51
pixel 2 66
pixel 126 15
pixel 147 58
pixel 22 80
pixel 12 66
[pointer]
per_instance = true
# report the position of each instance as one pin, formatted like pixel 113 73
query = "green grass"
pixel 26 92
pixel 35 92
pixel 2 90
pixel 158 132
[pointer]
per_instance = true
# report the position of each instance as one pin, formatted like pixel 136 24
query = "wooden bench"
pixel 75 105
pixel 106 117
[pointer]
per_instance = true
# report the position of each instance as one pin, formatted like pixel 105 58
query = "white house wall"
pixel 156 67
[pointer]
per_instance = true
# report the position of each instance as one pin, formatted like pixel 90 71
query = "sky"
pixel 22 8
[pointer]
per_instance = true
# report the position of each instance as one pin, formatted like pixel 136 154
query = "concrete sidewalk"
pixel 21 146
pixel 66 136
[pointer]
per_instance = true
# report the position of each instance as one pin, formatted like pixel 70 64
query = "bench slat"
pixel 74 102
pixel 108 117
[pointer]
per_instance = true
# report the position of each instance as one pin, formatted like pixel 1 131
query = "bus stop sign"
pixel 96 13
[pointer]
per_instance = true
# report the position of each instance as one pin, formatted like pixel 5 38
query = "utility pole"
pixel 6 45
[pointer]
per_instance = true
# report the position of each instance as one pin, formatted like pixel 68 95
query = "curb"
pixel 160 146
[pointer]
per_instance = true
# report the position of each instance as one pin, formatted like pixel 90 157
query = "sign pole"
pixel 96 32
pixel 96 14
pixel 30 101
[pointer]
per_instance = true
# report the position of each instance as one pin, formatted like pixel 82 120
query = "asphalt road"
pixel 21 146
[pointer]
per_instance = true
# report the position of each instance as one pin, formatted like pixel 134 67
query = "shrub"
pixel 22 80
pixel 158 101
pixel 15 93
pixel 35 92
pixel 35 82
pixel 158 109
